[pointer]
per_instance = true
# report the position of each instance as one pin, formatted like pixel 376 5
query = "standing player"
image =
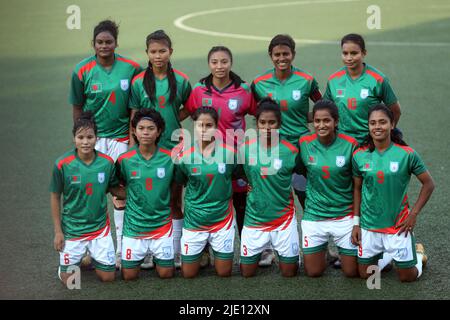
pixel 101 84
pixel 382 170
pixel 162 88
pixel 207 168
pixel 355 88
pixel 147 172
pixel 291 88
pixel 231 97
pixel 327 157
pixel 83 176
pixel 269 162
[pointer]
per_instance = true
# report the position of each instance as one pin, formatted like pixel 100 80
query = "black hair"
pixel 149 77
pixel 268 105
pixel 235 79
pixel 330 106
pixel 355 38
pixel 85 121
pixel 396 135
pixel 206 110
pixel 107 26
pixel 148 114
pixel 282 40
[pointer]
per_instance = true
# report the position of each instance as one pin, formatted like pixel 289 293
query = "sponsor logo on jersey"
pixel 135 174
pixel 101 177
pixel 296 95
pixel 167 252
pixel 364 93
pixel 340 93
pixel 222 168
pixel 232 104
pixel 393 166
pixel 75 179
pixel 277 164
pixel 161 172
pixel 124 84
pixel 96 87
pixel 340 161
pixel 206 102
pixel 367 166
pixel 312 160
pixel 196 171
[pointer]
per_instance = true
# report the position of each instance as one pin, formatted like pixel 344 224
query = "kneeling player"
pixel 83 176
pixel 269 163
pixel 327 157
pixel 147 172
pixel 382 170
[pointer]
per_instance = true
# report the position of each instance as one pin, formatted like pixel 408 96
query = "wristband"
pixel 356 220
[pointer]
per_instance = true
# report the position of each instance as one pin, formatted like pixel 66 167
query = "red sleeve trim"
pixel 86 68
pixel 187 152
pixel 262 78
pixel 106 157
pixel 308 138
pixel 290 146
pixel 168 152
pixel 181 74
pixel 126 155
pixel 138 76
pixel 134 64
pixel 66 160
pixel 406 148
pixel 337 74
pixel 378 77
pixel 348 138
pixel 229 148
pixel 304 75
pixel 360 149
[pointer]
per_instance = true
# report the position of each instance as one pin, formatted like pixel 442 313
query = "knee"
pixel 189 274
pixel 247 272
pixel 129 276
pixel 407 277
pixel 314 273
pixel 166 274
pixel 224 273
pixel 289 273
pixel 107 277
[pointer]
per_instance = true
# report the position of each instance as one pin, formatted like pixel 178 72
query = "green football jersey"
pixel 207 202
pixel 354 98
pixel 386 176
pixel 293 96
pixel 84 188
pixel 105 93
pixel 270 203
pixel 148 183
pixel 169 111
pixel 329 188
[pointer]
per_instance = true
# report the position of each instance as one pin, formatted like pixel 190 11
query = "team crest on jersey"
pixel 340 93
pixel 96 87
pixel 232 104
pixel 124 84
pixel 161 172
pixel 296 95
pixel 364 93
pixel 393 166
pixel 340 161
pixel 277 164
pixel 75 179
pixel 135 174
pixel 222 168
pixel 101 177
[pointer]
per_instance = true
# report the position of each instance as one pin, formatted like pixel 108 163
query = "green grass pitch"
pixel 38 54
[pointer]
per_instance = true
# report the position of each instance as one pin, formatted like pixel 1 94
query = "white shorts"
pixel 101 250
pixel 402 249
pixel 135 250
pixel 222 243
pixel 111 147
pixel 315 235
pixel 285 242
pixel 299 182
